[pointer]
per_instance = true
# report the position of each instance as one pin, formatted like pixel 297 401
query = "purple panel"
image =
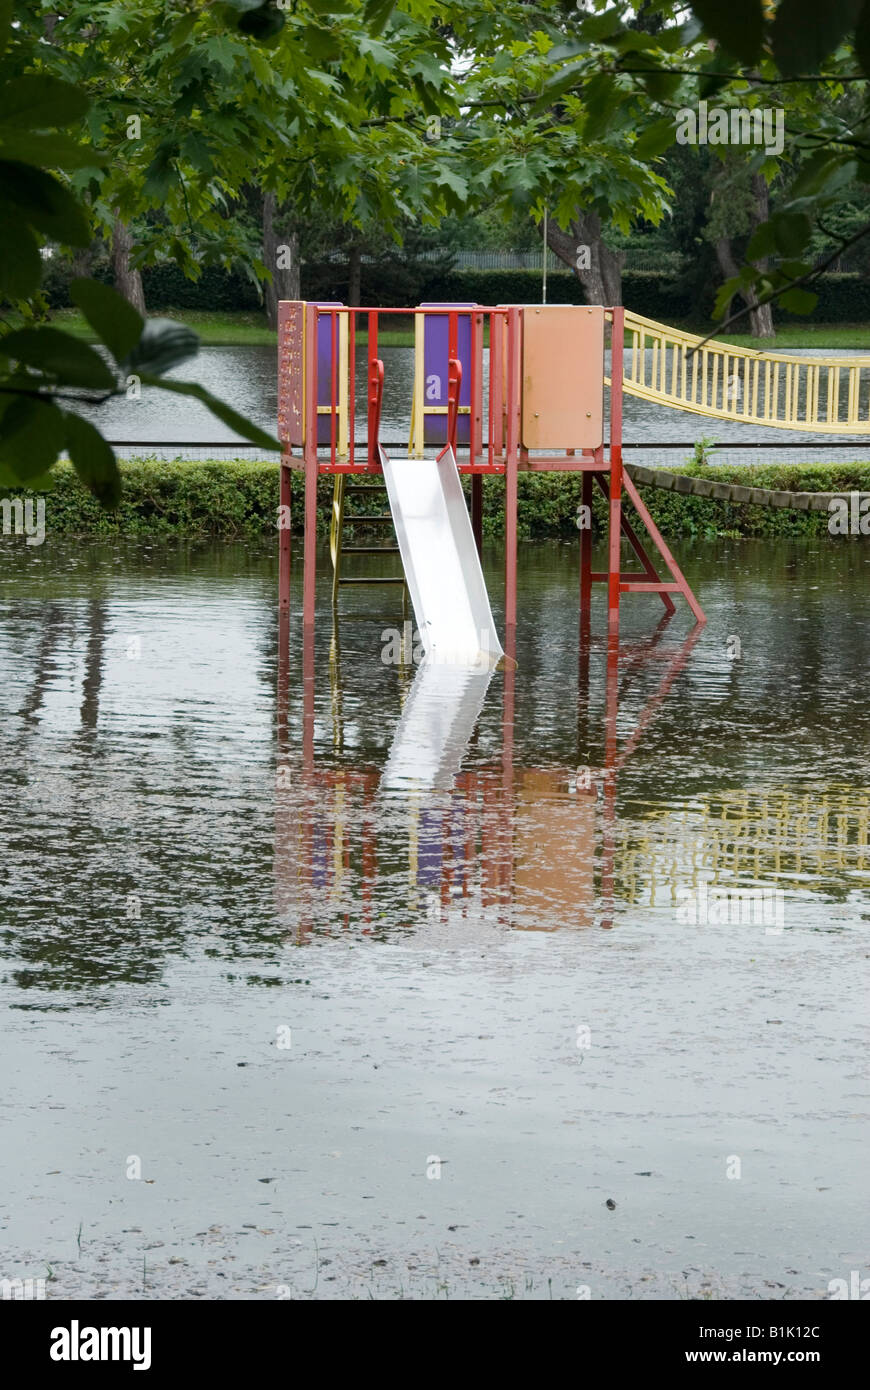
pixel 430 853
pixel 324 367
pixel 435 343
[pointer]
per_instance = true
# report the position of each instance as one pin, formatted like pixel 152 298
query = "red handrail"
pixel 454 382
pixel 376 391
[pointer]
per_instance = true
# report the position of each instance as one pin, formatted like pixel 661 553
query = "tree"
pixel 281 251
pixel 43 369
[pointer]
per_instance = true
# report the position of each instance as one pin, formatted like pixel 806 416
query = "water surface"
pixel 393 1014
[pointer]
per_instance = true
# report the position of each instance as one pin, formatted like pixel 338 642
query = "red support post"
pixel 309 573
pixel 351 385
pixel 586 552
pixel 617 336
pixel 495 443
pixel 475 432
pixel 285 498
pixel 333 385
pixel 511 466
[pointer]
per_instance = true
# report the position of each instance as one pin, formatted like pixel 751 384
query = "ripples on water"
pixel 247 376
pixel 171 786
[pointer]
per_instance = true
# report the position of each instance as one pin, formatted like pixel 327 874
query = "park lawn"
pixel 805 335
pixel 246 328
pixel 237 328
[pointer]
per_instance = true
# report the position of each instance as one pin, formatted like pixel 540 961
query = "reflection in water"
pixel 180 808
pixel 533 847
pixel 438 720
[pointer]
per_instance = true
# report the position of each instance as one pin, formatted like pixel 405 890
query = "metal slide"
pixel 437 721
pixel 441 563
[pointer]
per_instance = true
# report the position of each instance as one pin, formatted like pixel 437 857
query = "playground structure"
pixel 535 403
pixel 509 389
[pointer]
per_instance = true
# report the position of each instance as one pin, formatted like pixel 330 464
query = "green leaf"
pixel 596 27
pixel 246 428
pixel 31 436
pixel 568 77
pixel 111 316
pixel 762 243
pixel 51 151
pixel 20 261
pixel 822 174
pixel 601 99
pixel 43 482
pixel 44 202
pixel 655 140
pixel 41 102
pixel 163 344
pixel 93 459
pixel 70 361
pixel 805 32
pixel 798 301
pixel 737 24
pixel 792 231
pixel 376 14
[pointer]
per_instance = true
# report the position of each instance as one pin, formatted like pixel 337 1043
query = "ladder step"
pixel 365 487
pixel 350 517
pixel 376 580
pixel 370 550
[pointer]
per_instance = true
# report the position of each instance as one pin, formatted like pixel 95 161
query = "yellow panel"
pixel 563 377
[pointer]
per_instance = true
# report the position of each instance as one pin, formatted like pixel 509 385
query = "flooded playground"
pixel 570 1002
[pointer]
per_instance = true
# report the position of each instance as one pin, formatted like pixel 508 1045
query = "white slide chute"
pixel 442 566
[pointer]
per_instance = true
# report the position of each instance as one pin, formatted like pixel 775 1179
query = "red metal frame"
pixel 502 453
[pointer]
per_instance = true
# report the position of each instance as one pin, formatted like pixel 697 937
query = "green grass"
pixel 248 329
pixel 804 335
pixel 230 329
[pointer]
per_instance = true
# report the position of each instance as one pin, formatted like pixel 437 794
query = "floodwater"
pixel 323 977
pixel 246 376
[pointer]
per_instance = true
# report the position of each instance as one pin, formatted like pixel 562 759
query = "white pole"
pixel 544 264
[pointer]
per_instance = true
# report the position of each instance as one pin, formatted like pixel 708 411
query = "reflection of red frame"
pixel 489 793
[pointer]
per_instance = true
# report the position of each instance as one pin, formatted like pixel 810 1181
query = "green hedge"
pixel 165 287
pixel 238 499
pixel 668 298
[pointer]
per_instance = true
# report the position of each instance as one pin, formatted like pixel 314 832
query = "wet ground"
pixel 560 991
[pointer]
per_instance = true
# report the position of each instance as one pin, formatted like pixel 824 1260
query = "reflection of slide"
pixel 441 563
pixel 437 721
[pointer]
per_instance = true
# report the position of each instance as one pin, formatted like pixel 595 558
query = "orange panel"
pixel 563 376
pixel 554 849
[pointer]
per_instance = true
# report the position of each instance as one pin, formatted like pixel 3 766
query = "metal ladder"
pixel 337 547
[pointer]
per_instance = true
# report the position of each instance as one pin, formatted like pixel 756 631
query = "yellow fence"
pixel 825 395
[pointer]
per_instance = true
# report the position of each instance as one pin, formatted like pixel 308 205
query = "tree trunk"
pixel 354 275
pixel 281 256
pixel 760 316
pixel 128 282
pixel 602 277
